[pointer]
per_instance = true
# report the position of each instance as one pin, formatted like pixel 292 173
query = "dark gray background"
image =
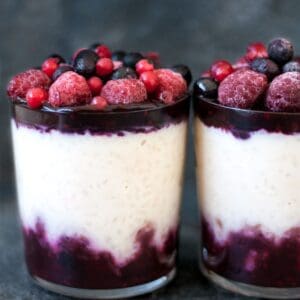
pixel 194 32
pixel 190 31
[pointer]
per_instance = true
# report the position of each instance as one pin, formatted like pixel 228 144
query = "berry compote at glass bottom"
pixel 248 174
pixel 99 195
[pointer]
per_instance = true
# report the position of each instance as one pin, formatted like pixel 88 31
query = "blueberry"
pixel 206 87
pixel 61 69
pixel 85 62
pixel 265 66
pixel 118 55
pixel 280 50
pixel 130 59
pixel 124 72
pixel 292 66
pixel 184 71
pixel 59 58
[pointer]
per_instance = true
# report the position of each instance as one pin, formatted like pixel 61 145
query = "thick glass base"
pixel 251 290
pixel 109 293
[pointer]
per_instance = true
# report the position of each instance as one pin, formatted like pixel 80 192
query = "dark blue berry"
pixel 85 62
pixel 206 87
pixel 184 71
pixel 280 50
pixel 118 55
pixel 292 66
pixel 265 66
pixel 124 72
pixel 130 59
pixel 61 69
pixel 60 59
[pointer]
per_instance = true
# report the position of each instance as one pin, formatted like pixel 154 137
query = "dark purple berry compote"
pixel 247 138
pixel 99 148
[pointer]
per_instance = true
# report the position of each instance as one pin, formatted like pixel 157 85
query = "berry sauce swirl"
pixel 242 122
pixel 143 117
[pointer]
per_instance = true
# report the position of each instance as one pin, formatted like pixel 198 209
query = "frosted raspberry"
pixel 124 91
pixel 22 82
pixel 69 89
pixel 242 88
pixel 284 93
pixel 171 85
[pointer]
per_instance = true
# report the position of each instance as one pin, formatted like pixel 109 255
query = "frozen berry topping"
pixel 22 82
pixel 242 89
pixel 265 78
pixel 171 85
pixel 284 93
pixel 124 91
pixel 69 89
pixel 98 78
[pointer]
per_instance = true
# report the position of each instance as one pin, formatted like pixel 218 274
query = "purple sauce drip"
pixel 241 123
pixel 254 258
pixel 117 119
pixel 72 262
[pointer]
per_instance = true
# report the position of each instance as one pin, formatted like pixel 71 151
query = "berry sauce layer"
pixel 242 123
pixel 72 261
pixel 143 117
pixel 252 256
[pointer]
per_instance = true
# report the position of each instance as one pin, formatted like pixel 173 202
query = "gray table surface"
pixel 15 284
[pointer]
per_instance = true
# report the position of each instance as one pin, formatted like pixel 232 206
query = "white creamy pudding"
pixel 248 182
pixel 105 188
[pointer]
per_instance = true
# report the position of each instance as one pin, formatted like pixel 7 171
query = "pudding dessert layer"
pixel 251 182
pixel 253 256
pixel 72 260
pixel 247 140
pixel 99 146
pixel 105 188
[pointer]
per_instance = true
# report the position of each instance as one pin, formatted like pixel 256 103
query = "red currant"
pixel 104 66
pixel 99 102
pixel 143 66
pixel 150 80
pixel 95 84
pixel 256 50
pixel 49 66
pixel 35 97
pixel 221 69
pixel 103 51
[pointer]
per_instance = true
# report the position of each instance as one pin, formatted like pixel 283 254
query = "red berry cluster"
pixel 265 77
pixel 87 80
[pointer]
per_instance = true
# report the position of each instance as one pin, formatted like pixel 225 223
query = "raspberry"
pixel 242 88
pixel 221 69
pixel 70 88
pixel 22 82
pixel 171 85
pixel 284 93
pixel 124 91
pixel 35 97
